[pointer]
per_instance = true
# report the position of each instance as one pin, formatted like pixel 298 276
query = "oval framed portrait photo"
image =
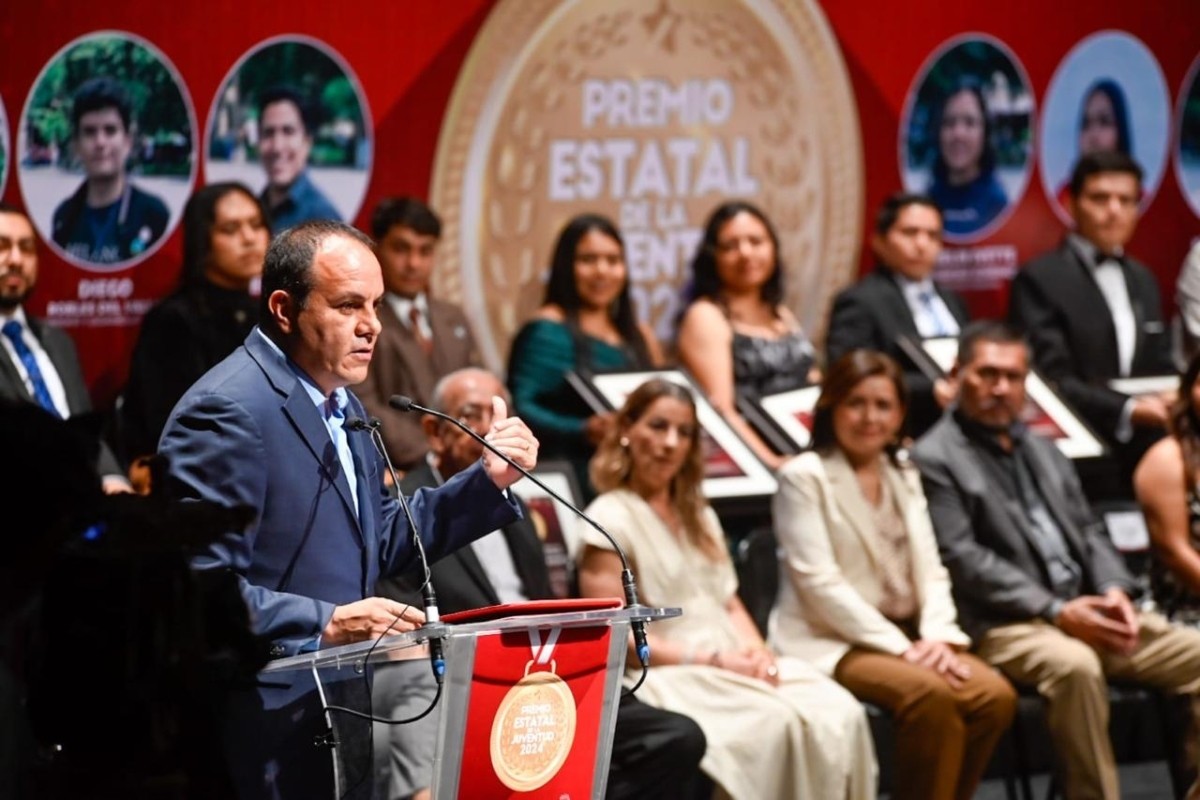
pixel 1108 93
pixel 107 150
pixel 291 121
pixel 1187 147
pixel 966 134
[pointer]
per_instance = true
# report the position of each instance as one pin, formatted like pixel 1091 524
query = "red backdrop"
pixel 407 56
pixel 884 46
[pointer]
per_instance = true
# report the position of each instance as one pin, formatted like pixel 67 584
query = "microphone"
pixel 437 659
pixel 403 403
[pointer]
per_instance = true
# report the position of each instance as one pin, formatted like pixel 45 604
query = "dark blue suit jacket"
pixel 248 433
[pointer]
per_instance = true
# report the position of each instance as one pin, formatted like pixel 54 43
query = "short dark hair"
pixel 288 264
pixel 11 302
pixel 282 93
pixel 97 94
pixel 408 212
pixel 199 215
pixel 705 282
pixel 8 208
pixel 992 331
pixel 1097 163
pixel 890 208
pixel 842 376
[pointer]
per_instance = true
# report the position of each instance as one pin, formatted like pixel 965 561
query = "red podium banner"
pixel 536 711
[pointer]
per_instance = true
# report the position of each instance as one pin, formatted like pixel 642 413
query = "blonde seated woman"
pixel 864 595
pixel 776 728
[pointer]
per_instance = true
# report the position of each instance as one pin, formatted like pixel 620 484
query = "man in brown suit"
pixel 422 338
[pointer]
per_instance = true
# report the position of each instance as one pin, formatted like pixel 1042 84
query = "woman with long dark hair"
pixel 864 595
pixel 586 323
pixel 964 183
pixel 225 237
pixel 775 727
pixel 736 336
pixel 1103 127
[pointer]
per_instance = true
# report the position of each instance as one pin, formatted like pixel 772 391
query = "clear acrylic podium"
pixel 529 702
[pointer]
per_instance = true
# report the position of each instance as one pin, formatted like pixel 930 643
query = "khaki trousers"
pixel 944 736
pixel 1073 680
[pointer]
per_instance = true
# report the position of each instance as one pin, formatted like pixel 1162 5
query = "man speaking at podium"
pixel 266 428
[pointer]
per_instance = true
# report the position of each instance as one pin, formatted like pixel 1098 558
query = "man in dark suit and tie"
pixel 265 428
pixel 1038 584
pixel 655 752
pixel 423 338
pixel 1093 314
pixel 899 300
pixel 38 362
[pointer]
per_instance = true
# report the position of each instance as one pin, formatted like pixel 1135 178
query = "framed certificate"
pixel 1149 384
pixel 935 357
pixel 556 525
pixel 785 419
pixel 732 470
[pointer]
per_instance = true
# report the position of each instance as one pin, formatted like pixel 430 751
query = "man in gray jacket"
pixel 1037 582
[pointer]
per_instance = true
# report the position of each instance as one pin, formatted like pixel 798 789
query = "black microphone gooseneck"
pixel 428 596
pixel 403 403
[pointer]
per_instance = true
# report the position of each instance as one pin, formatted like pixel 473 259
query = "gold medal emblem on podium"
pixel 533 730
pixel 651 112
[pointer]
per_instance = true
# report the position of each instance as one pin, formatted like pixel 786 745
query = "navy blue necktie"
pixel 335 410
pixel 12 329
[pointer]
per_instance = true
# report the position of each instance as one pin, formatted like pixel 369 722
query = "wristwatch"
pixel 1051 612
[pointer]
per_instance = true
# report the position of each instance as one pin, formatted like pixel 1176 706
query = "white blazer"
pixel 830 587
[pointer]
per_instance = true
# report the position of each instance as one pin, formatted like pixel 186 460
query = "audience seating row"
pixel 1143 723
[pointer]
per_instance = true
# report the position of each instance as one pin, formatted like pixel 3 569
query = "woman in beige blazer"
pixel 863 594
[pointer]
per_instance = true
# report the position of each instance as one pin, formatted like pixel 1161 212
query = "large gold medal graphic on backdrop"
pixel 651 113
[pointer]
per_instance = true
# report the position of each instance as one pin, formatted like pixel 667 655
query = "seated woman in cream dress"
pixel 776 728
pixel 863 594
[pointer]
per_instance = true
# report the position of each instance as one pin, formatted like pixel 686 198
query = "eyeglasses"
pixel 475 416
